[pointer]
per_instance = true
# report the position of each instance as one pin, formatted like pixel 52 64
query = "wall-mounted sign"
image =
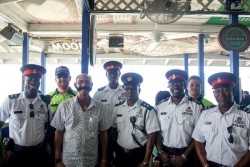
pixel 235 37
pixel 65 46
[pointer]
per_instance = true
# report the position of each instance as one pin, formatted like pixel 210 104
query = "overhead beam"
pixel 75 29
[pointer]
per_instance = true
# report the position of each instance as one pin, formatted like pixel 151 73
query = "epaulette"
pixel 163 100
pixel 194 100
pixel 120 103
pixel 45 98
pixel 245 109
pixel 101 89
pixel 146 105
pixel 208 107
pixel 14 96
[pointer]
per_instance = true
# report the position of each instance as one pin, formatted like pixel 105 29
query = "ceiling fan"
pixel 164 11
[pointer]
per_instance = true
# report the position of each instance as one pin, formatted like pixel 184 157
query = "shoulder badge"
pixel 120 103
pixel 146 105
pixel 102 88
pixel 163 100
pixel 14 96
pixel 245 109
pixel 208 107
pixel 194 100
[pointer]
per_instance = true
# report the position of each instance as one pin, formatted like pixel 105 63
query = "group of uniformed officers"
pixel 115 128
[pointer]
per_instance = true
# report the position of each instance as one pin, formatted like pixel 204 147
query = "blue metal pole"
pixel 201 60
pixel 25 58
pixel 85 38
pixel 186 68
pixel 43 63
pixel 234 60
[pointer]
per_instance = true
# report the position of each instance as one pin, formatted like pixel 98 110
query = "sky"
pixel 153 78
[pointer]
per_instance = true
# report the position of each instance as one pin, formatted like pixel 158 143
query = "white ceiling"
pixel 58 23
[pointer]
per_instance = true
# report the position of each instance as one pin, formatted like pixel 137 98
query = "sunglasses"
pixel 32 113
pixel 230 131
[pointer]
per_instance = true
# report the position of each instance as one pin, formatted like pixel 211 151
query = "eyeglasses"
pixel 230 131
pixel 32 113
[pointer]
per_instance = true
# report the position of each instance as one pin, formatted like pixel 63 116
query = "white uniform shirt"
pixel 177 122
pixel 212 129
pixel 109 97
pixel 80 140
pixel 121 121
pixel 25 130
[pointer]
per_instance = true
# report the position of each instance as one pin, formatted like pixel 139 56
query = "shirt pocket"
pixel 164 122
pixel 120 123
pixel 93 123
pixel 208 131
pixel 17 118
pixel 189 124
pixel 40 116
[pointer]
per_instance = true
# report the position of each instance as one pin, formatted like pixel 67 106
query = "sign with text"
pixel 66 46
pixel 235 37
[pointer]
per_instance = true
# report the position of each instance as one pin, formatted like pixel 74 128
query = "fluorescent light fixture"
pixel 13 34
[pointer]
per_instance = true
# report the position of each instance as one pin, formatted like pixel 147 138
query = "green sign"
pixel 224 20
pixel 234 37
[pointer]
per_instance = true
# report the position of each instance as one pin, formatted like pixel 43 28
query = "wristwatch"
pixel 57 160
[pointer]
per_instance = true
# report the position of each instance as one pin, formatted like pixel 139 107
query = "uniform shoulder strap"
pixel 245 109
pixel 146 105
pixel 45 98
pixel 120 103
pixel 14 96
pixel 102 88
pixel 163 100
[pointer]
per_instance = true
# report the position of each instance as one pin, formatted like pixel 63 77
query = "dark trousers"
pixel 129 158
pixel 51 141
pixel 28 158
pixel 178 151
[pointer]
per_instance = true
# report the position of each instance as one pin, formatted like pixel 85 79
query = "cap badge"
pixel 219 79
pixel 174 76
pixel 34 71
pixel 112 66
pixel 129 79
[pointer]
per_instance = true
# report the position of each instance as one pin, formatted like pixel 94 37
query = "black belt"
pixel 19 148
pixel 214 164
pixel 174 151
pixel 129 151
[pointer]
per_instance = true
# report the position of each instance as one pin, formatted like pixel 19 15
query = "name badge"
pixel 18 112
pixel 103 100
pixel 208 123
pixel 163 113
pixel 119 115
